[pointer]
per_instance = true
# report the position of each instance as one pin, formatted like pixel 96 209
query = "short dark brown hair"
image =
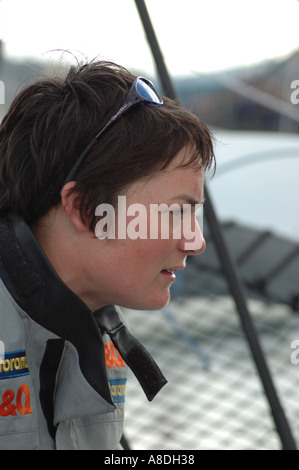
pixel 51 121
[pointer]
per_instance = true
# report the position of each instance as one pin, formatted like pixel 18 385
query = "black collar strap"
pixel 134 354
pixel 37 289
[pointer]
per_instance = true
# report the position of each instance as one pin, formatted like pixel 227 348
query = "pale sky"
pixel 195 35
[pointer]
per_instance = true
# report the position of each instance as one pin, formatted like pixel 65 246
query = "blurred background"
pixel 236 65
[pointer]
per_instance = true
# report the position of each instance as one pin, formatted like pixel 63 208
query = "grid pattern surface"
pixel 214 398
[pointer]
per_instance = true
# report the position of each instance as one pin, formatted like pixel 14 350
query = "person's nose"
pixel 192 241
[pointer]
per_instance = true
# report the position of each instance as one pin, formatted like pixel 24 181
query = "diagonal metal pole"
pixel 234 281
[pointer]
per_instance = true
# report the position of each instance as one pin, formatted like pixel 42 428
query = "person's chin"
pixel 154 302
pixel 158 302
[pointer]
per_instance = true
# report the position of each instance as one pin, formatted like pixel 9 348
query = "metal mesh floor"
pixel 214 398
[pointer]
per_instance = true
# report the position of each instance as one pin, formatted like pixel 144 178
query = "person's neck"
pixel 54 234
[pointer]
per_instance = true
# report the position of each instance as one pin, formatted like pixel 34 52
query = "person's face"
pixel 137 273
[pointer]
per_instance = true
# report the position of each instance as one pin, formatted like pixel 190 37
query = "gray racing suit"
pixel 63 370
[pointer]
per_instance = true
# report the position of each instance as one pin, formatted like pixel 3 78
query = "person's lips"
pixel 170 272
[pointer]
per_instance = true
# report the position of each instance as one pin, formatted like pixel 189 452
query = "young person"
pixel 72 150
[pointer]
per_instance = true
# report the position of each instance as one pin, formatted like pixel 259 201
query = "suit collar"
pixel 35 286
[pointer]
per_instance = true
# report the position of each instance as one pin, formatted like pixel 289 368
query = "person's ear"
pixel 70 202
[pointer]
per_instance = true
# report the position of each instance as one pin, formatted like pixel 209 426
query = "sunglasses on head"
pixel 141 92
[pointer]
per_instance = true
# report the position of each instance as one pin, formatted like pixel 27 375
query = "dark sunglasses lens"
pixel 147 92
